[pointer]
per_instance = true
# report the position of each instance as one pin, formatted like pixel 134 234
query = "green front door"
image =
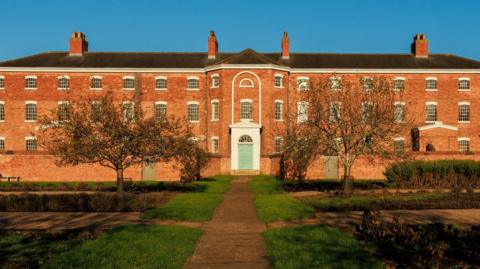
pixel 245 156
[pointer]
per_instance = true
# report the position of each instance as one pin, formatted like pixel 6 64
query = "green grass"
pixel 317 247
pixel 197 206
pixel 273 204
pixel 132 246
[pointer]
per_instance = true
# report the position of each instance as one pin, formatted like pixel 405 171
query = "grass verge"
pixel 273 204
pixel 197 206
pixel 317 247
pixel 132 246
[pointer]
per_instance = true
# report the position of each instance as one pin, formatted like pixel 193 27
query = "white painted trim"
pixel 30 137
pixel 399 139
pixel 398 103
pixel 2 138
pixel 463 139
pixel 246 101
pixel 214 101
pixel 193 77
pixel 259 95
pixel 431 103
pixel 464 78
pixel 2 102
pixel 63 76
pixel 214 137
pixel 245 66
pixel 160 77
pixel 278 101
pixel 63 102
pixel 31 76
pixel 399 78
pixel 193 103
pixel 299 78
pixel 161 103
pixel 437 124
pixel 463 103
pixel 31 102
pixel 243 85
pixel 2 77
pixel 128 77
pixel 96 76
pixel 101 70
pixel 430 78
pixel 278 75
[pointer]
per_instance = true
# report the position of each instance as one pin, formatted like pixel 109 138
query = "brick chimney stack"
pixel 78 44
pixel 212 46
pixel 285 46
pixel 420 46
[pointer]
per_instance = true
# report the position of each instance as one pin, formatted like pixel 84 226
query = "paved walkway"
pixel 233 237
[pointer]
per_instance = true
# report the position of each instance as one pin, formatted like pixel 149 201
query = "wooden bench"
pixel 9 178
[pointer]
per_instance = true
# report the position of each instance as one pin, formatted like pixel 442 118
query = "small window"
pixel 335 83
pixel 464 84
pixel 215 81
pixel 431 84
pixel 31 82
pixel 128 111
pixel 335 112
pixel 30 111
pixel 63 83
pixel 161 110
pixel 399 110
pixel 278 144
pixel 192 112
pixel 96 83
pixel 303 83
pixel 431 112
pixel 96 110
pixel 215 110
pixel 463 112
pixel 63 110
pixel 215 144
pixel 246 110
pixel 302 111
pixel 464 145
pixel 160 83
pixel 246 83
pixel 2 144
pixel 278 81
pixel 193 83
pixel 2 82
pixel 129 83
pixel 399 146
pixel 367 110
pixel 278 110
pixel 367 84
pixel 31 144
pixel 399 84
pixel 2 111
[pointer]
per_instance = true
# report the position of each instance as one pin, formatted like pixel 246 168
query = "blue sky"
pixel 368 26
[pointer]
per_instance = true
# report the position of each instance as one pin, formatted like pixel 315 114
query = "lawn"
pixel 274 204
pixel 317 247
pixel 132 246
pixel 196 206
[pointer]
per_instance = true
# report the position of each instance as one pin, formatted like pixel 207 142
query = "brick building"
pixel 237 102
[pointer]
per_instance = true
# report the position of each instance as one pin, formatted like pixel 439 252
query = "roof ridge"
pixel 237 55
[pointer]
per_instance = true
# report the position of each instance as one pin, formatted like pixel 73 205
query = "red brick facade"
pixel 234 82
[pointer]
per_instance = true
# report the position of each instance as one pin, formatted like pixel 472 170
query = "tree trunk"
pixel 347 181
pixel 120 191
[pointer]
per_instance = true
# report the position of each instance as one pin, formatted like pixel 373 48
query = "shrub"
pixel 435 174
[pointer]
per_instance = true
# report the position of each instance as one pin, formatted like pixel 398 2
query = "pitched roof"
pixel 248 56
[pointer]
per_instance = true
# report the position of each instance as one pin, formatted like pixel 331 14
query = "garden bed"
pixel 327 185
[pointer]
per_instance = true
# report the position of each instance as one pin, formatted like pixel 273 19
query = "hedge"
pixel 435 174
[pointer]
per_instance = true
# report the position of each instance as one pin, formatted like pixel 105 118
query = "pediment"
pixel 438 124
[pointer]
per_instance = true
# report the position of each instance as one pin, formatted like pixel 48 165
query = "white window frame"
pixel 36 82
pixel 215 101
pixel 337 78
pixel 469 85
pixel 125 112
pixel 463 139
pixel 304 116
pixel 62 103
pixel 431 78
pixel 241 109
pixel 299 88
pixel 399 78
pixel 2 87
pixel 58 82
pixel 198 111
pixel 246 83
pixel 36 104
pixel 212 139
pixel 275 110
pixel 3 104
pixel 469 112
pixel 96 77
pixel 212 77
pixel 4 146
pixel 31 138
pixel 400 103
pixel 198 83
pixel 363 83
pixel 123 83
pixel 275 140
pixel 281 81
pixel 160 103
pixel 399 139
pixel 166 83
pixel 436 105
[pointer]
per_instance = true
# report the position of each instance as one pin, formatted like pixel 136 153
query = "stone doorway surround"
pixel 238 130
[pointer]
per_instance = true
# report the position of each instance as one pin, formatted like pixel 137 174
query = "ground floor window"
pixel 463 145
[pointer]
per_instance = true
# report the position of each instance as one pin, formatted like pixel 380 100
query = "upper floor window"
pixel 30 143
pixel 193 83
pixel 2 143
pixel 367 110
pixel 303 83
pixel 2 82
pixel 192 112
pixel 464 84
pixel 399 110
pixel 464 112
pixel 215 144
pixel 246 83
pixel 399 83
pixel 367 83
pixel 161 83
pixel 399 145
pixel 63 110
pixel 302 111
pixel 335 112
pixel 335 83
pixel 215 110
pixel 63 82
pixel 463 144
pixel 215 81
pixel 278 110
pixel 278 81
pixel 2 111
pixel 128 110
pixel 246 109
pixel 431 112
pixel 278 144
pixel 431 83
pixel 96 83
pixel 30 111
pixel 160 110
pixel 129 83
pixel 30 82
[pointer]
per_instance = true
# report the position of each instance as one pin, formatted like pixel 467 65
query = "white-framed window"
pixel 463 84
pixel 399 145
pixel 30 143
pixel 278 109
pixel 399 84
pixel 193 111
pixel 335 112
pixel 2 82
pixel 431 84
pixel 246 83
pixel 367 83
pixel 399 111
pixel 278 144
pixel 2 143
pixel 160 83
pixel 128 108
pixel 215 144
pixel 96 83
pixel 464 112
pixel 63 82
pixel 431 112
pixel 193 83
pixel 63 110
pixel 2 111
pixel 302 111
pixel 31 82
pixel 215 81
pixel 335 83
pixel 215 110
pixel 246 109
pixel 278 82
pixel 463 144
pixel 129 83
pixel 303 83
pixel 30 111
pixel 367 110
pixel 160 110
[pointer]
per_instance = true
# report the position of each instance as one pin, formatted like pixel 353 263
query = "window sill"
pixel 62 89
pixel 279 120
pixel 196 89
pixel 1 89
pixel 30 121
pixel 463 90
pixel 214 120
pixel 398 90
pixel 30 89
pixel 160 89
pixel 278 87
pixel 214 87
pixel 2 121
pixel 430 122
pixel 464 121
pixel 128 89
pixel 431 90
pixel 96 89
pixel 194 121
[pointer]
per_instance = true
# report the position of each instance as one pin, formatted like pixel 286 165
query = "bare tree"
pixel 112 133
pixel 191 157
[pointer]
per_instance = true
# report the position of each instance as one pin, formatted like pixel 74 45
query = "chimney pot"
pixel 78 44
pixel 420 46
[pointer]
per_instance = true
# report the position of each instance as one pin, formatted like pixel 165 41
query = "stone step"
pixel 245 172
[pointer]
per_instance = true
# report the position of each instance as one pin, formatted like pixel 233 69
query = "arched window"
pixel 429 147
pixel 246 83
pixel 161 83
pixel 245 139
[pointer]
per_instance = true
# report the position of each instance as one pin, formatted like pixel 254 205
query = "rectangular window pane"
pixel 31 144
pixel 278 144
pixel 335 112
pixel 2 112
pixel 399 113
pixel 161 83
pixel 2 83
pixel 464 84
pixel 246 110
pixel 431 113
pixel 463 113
pixel 161 111
pixel 128 83
pixel 63 83
pixel 193 83
pixel 431 84
pixel 278 110
pixel 399 84
pixel 302 111
pixel 278 81
pixel 128 111
pixel 31 83
pixel 96 83
pixel 31 112
pixel 215 81
pixel 335 83
pixel 215 111
pixel 63 111
pixel 214 145
pixel 2 144
pixel 193 112
pixel 464 146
